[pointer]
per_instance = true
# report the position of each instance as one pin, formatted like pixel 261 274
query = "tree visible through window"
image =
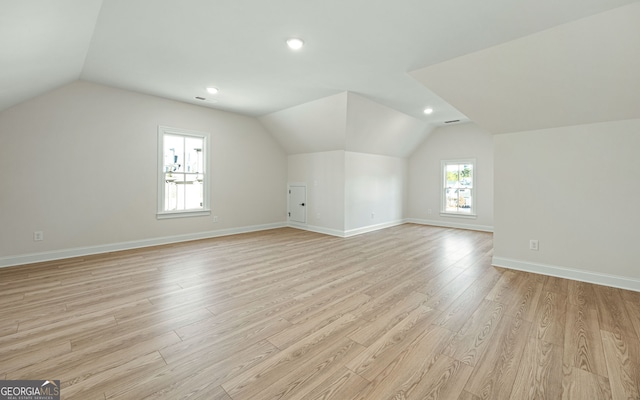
pixel 183 178
pixel 458 180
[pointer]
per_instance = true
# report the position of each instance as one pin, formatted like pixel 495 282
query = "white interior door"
pixel 298 203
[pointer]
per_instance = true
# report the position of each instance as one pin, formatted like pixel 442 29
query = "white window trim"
pixel 474 204
pixel 206 210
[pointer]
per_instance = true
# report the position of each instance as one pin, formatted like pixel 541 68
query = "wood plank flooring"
pixel 409 312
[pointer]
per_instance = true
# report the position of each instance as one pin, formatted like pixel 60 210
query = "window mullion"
pixel 180 198
pixel 458 194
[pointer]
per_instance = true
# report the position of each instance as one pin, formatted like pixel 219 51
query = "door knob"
pixel 302 204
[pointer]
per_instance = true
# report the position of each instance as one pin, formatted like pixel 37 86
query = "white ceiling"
pixel 43 45
pixel 346 121
pixel 581 72
pixel 175 49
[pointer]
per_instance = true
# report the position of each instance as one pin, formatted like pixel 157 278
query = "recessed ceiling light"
pixel 428 110
pixel 295 43
pixel 212 90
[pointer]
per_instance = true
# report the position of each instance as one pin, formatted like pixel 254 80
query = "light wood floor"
pixel 410 312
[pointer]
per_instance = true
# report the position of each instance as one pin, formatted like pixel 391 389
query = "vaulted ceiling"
pixel 382 61
pixel 581 72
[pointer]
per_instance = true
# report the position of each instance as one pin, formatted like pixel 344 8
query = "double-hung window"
pixel 183 174
pixel 458 187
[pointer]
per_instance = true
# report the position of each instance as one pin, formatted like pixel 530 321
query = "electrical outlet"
pixel 429 211
pixel 215 218
pixel 373 215
pixel 38 236
pixel 533 245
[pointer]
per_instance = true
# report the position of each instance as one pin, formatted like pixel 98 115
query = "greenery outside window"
pixel 183 178
pixel 458 187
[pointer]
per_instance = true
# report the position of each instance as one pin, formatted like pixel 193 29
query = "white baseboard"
pixel 345 233
pixel 316 229
pixel 597 278
pixel 107 248
pixel 372 228
pixel 569 273
pixel 446 224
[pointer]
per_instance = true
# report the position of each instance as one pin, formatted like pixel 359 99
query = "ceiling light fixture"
pixel 212 90
pixel 428 110
pixel 295 43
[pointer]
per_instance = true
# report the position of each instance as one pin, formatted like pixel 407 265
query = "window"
pixel 183 180
pixel 458 187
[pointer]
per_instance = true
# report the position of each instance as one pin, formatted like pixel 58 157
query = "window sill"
pixel 456 215
pixel 183 214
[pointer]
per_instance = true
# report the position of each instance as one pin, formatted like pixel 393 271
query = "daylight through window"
pixel 458 187
pixel 183 178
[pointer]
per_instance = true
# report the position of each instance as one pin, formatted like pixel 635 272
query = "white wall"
pixel 445 143
pixel 316 126
pixel 80 164
pixel 345 121
pixel 372 128
pixel 344 188
pixel 324 175
pixel 374 184
pixel 576 190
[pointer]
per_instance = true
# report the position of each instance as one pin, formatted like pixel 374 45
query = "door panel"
pixel 297 204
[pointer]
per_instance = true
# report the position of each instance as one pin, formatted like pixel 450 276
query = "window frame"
pixel 443 188
pixel 206 181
